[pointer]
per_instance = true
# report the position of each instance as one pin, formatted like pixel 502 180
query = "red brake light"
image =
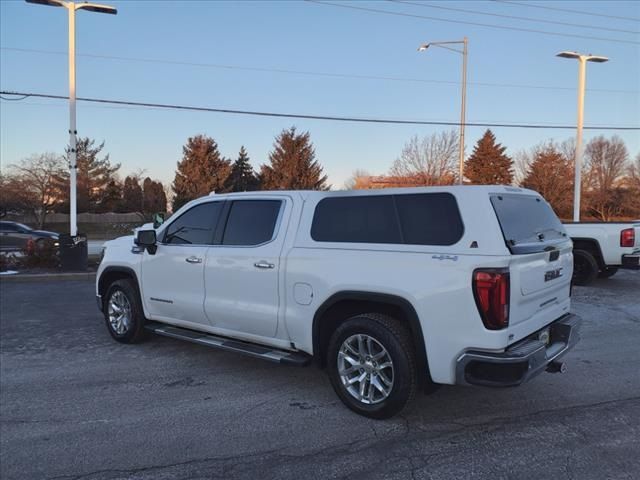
pixel 627 237
pixel 30 247
pixel 491 291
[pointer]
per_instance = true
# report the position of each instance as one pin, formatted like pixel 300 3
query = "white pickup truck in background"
pixel 600 249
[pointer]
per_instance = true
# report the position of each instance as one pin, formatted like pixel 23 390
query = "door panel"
pixel 173 276
pixel 173 283
pixel 242 274
pixel 239 295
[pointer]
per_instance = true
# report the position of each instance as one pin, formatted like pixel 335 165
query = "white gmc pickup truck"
pixel 392 291
pixel 601 248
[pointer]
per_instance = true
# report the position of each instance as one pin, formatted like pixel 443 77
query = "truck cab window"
pixel 196 226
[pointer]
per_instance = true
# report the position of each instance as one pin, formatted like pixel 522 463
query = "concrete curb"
pixel 44 277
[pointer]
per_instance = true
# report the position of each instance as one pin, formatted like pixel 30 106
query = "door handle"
pixel 263 264
pixel 193 259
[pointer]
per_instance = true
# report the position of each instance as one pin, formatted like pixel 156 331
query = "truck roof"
pixel 458 189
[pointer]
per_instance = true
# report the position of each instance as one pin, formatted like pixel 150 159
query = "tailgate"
pixel 540 283
pixel 541 263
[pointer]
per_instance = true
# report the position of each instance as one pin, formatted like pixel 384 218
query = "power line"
pixel 14 99
pixel 309 116
pixel 593 126
pixel 514 17
pixel 313 73
pixel 557 9
pixel 477 24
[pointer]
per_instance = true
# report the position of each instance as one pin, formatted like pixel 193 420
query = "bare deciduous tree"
pixel 36 177
pixel 633 173
pixel 606 161
pixel 352 181
pixel 632 183
pixel 432 159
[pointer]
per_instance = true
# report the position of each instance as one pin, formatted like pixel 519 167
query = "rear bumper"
pixel 521 361
pixel 631 260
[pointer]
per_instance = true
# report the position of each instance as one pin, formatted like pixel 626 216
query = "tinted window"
pixel 429 218
pixel 528 223
pixel 251 222
pixel 369 219
pixel 195 226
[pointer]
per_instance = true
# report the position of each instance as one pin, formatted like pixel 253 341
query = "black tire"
pixel 607 272
pixel 135 332
pixel 395 339
pixel 585 268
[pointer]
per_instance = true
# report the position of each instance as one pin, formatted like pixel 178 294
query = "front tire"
pixel 585 267
pixel 371 363
pixel 123 312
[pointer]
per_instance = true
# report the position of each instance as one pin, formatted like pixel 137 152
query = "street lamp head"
pixel 95 7
pixel 597 59
pixel 51 3
pixel 588 58
pixel 423 47
pixel 567 54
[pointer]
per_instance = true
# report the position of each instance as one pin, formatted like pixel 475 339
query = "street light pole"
pixel 582 74
pixel 73 160
pixel 73 165
pixel 463 107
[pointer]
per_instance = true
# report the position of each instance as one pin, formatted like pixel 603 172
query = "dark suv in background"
pixel 16 236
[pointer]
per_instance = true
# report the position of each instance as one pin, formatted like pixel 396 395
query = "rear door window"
pixel 528 223
pixel 251 222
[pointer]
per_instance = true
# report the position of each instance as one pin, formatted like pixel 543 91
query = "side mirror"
pixel 146 239
pixel 158 219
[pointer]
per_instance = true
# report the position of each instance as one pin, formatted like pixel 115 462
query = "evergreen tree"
pixel 488 164
pixel 93 176
pixel 154 199
pixel 112 197
pixel 293 165
pixel 242 177
pixel 201 171
pixel 131 195
pixel 550 174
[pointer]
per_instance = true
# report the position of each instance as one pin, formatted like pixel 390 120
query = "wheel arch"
pixel 590 245
pixel 114 273
pixel 345 304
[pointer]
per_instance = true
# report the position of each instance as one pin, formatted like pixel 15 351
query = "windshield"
pixel 528 223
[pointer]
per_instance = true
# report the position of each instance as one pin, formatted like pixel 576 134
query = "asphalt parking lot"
pixel 75 404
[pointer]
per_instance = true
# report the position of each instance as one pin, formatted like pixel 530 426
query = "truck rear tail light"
pixel 491 291
pixel 627 237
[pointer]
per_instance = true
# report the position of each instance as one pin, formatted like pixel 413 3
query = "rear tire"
pixel 123 312
pixel 371 362
pixel 585 268
pixel 607 272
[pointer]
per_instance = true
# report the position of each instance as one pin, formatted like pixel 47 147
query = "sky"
pixel 166 38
